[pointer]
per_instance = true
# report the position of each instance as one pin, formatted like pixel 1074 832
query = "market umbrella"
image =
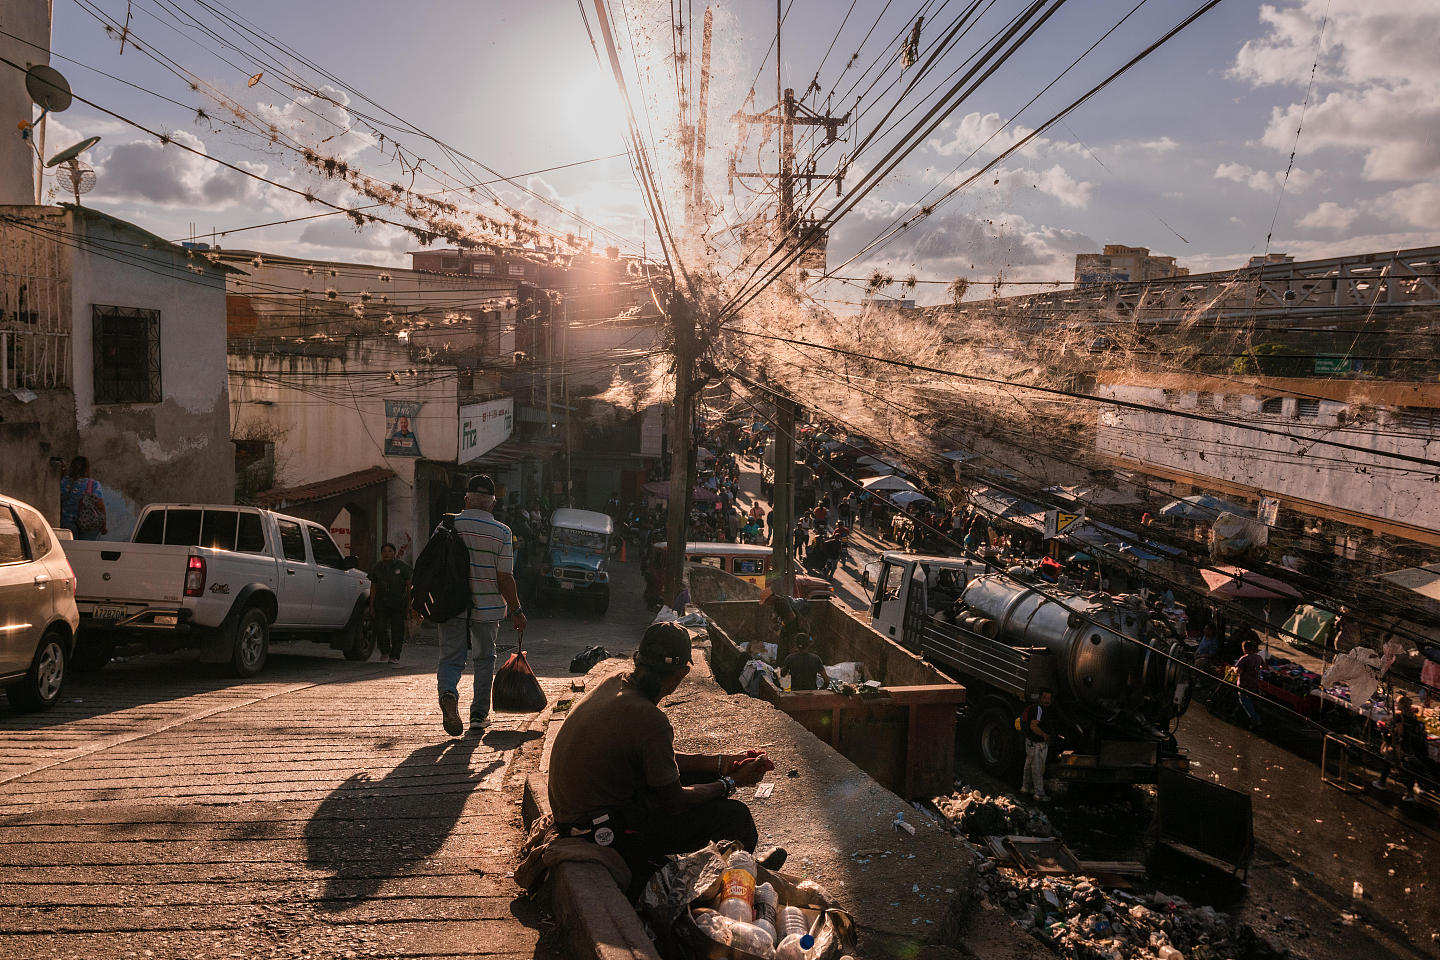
pixel 904 498
pixel 1080 557
pixel 1238 584
pixel 878 484
pixel 1201 506
pixel 875 464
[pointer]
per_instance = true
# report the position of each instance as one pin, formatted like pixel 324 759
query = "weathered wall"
pixel 324 408
pixel 178 449
pixel 27 20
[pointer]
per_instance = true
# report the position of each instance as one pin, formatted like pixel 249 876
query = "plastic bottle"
pixel 752 939
pixel 794 948
pixel 713 925
pixel 793 923
pixel 737 888
pixel 767 903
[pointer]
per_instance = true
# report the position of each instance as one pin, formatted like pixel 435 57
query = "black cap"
pixel 481 483
pixel 664 646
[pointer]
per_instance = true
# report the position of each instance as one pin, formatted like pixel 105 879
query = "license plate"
pixel 109 613
pixel 567 586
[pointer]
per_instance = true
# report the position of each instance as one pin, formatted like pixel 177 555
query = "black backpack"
pixel 440 585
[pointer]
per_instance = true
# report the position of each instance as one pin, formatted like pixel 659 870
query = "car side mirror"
pixel 352 562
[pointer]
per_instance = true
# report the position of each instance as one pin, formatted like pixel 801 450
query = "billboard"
pixel 400 420
pixel 484 426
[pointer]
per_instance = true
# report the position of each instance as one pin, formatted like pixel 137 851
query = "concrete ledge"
pixel 597 920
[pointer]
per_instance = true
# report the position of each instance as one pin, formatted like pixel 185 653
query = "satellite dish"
pixel 72 151
pixel 48 88
pixel 77 176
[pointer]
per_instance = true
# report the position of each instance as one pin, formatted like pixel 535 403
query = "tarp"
pixel 1312 623
pixel 1238 584
pixel 876 484
pixel 1422 580
pixel 907 497
pixel 1202 506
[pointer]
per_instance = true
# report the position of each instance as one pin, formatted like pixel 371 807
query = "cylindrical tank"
pixel 1096 667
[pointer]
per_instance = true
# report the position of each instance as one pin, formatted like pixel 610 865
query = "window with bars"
pixel 1307 409
pixel 127 355
pixel 1272 405
pixel 1418 419
pixel 517 269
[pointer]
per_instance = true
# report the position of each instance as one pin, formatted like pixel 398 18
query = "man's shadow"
pixel 369 831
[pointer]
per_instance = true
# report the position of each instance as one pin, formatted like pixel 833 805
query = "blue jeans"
pixel 453 653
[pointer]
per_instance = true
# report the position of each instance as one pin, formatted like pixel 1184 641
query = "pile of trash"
pixel 1084 921
pixel 978 816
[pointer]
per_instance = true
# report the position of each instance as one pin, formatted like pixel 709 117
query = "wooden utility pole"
pixel 682 459
pixel 787 113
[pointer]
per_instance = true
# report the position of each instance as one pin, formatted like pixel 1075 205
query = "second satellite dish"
pixel 72 151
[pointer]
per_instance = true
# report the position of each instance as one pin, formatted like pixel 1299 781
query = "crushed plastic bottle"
pixel 794 948
pixel 739 936
pixel 793 923
pixel 767 904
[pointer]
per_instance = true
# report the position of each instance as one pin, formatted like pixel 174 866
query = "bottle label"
pixel 737 885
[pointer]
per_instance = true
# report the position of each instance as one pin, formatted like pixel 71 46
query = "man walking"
pixel 493 593
pixel 1039 728
pixel 390 601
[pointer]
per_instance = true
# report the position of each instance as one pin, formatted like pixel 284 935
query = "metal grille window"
pixel 1272 405
pixel 1417 419
pixel 127 355
pixel 1307 409
pixel 517 269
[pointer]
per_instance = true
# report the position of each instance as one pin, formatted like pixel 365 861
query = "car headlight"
pixel 589 575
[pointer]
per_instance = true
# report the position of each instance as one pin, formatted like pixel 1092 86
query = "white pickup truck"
pixel 221 578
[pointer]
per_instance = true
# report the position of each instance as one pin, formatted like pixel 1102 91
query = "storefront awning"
pixel 516 449
pixel 325 489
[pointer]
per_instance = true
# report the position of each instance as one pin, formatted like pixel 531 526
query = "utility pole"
pixel 697 164
pixel 790 233
pixel 682 322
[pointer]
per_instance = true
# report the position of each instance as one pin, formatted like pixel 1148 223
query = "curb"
pixel 597 921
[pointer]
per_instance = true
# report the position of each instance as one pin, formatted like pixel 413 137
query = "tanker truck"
pixel 1118 689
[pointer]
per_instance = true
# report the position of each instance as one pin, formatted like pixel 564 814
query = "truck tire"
pixel 40 687
pixel 91 655
pixel 360 636
pixel 250 645
pixel 996 742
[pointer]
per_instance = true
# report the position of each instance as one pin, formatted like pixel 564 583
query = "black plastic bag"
pixel 587 658
pixel 515 689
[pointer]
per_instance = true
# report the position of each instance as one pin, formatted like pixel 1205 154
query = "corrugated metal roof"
pixel 323 489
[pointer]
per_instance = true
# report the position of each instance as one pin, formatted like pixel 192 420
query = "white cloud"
pixel 147 171
pixel 1377 80
pixel 1417 205
pixel 322 123
pixel 1264 180
pixel 976 130
pixel 1329 216
pixel 1063 187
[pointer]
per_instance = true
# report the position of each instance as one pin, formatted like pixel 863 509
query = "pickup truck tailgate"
pixel 115 574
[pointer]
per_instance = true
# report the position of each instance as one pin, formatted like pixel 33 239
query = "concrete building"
pixel 25 40
pixel 364 397
pixel 586 324
pixel 1337 495
pixel 112 345
pixel 1121 264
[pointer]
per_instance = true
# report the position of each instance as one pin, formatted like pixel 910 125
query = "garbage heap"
pixel 978 816
pixel 1078 916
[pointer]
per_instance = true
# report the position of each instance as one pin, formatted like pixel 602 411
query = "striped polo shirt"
pixel 492 551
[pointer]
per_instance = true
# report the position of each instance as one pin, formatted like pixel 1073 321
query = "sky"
pixel 1189 153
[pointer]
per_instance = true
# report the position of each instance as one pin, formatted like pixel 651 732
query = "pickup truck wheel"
pixel 40 687
pixel 91 655
pixel 252 643
pixel 361 637
pixel 997 742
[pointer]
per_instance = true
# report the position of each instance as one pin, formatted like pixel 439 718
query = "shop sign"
pixel 484 426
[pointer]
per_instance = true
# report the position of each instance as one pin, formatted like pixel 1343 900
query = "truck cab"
pixel 916 585
pixel 576 557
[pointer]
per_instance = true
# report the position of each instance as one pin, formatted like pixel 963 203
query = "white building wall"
pixel 1368 484
pixel 28 20
pixel 326 416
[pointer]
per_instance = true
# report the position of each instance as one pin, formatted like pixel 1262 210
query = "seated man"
pixel 616 779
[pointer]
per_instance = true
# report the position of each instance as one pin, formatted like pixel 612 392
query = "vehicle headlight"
pixel 589 575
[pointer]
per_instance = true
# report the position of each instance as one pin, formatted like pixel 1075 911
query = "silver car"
pixel 38 618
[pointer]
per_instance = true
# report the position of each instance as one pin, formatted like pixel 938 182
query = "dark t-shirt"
pixel 803 667
pixel 612 749
pixel 1045 721
pixel 1249 667
pixel 389 580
